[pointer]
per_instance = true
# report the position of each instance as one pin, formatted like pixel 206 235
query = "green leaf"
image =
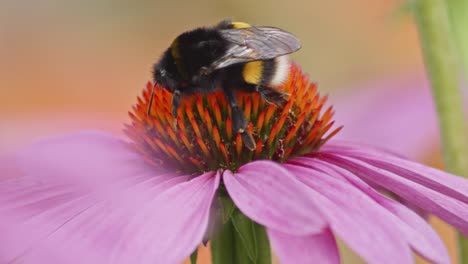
pixel 193 257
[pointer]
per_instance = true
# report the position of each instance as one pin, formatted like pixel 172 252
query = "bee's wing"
pixel 255 43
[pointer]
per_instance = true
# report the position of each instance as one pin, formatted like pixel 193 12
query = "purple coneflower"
pixel 95 198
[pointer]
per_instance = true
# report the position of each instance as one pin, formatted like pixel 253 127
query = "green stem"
pixel 194 256
pixel 222 246
pixel 458 14
pixel 241 241
pixel 440 59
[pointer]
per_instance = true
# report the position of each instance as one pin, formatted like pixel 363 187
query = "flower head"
pixel 201 139
pixel 90 198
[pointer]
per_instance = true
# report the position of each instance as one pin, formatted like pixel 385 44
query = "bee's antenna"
pixel 151 101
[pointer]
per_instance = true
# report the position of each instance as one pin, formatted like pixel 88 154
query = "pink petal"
pixel 448 184
pixel 449 209
pixel 170 227
pixel 72 199
pixel 358 220
pixel 22 129
pixel 87 160
pixel 401 110
pixel 316 248
pixel 270 195
pixel 417 231
pixel 86 225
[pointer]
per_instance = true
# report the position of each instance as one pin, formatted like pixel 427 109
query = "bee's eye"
pixel 162 73
pixel 204 71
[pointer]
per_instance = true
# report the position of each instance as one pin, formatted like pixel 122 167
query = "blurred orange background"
pixel 68 65
pixel 61 60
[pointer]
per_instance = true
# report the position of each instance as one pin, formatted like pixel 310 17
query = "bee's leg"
pixel 150 104
pixel 272 96
pixel 175 105
pixel 239 121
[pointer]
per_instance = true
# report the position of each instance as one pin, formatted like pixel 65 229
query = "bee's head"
pixel 160 77
pixel 163 78
pixel 165 73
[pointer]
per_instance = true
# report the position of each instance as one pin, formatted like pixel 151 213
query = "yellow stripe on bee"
pixel 252 72
pixel 240 25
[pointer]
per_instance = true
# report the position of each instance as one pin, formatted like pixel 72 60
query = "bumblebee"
pixel 229 56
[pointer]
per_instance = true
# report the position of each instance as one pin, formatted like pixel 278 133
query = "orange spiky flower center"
pixel 202 138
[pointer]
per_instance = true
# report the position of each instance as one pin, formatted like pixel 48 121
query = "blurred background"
pixel 67 65
pixel 67 60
